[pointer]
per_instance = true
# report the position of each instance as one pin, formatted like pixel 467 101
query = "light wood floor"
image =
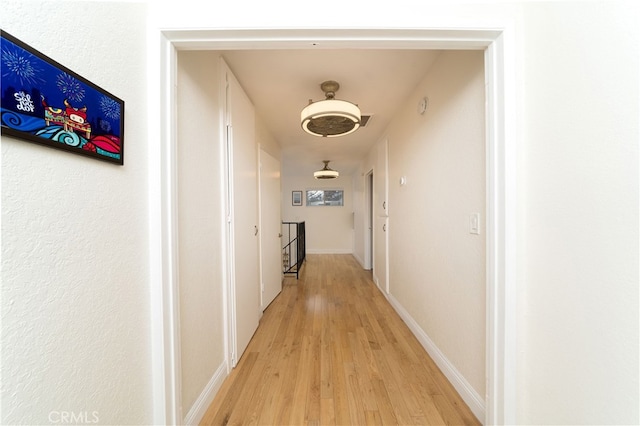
pixel 331 350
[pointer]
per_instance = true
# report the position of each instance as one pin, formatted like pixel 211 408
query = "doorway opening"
pixel 500 185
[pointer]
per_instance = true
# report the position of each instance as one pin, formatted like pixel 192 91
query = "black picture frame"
pixel 296 198
pixel 46 103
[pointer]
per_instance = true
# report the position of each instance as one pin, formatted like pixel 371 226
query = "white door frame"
pixel 227 203
pixel 369 213
pixel 498 44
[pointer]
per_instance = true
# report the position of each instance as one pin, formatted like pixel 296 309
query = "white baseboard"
pixel 466 391
pixel 199 408
pixel 360 261
pixel 329 251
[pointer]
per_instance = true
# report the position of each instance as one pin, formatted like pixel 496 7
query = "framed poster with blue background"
pixel 48 104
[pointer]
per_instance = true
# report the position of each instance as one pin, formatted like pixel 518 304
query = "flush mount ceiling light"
pixel 326 172
pixel 330 117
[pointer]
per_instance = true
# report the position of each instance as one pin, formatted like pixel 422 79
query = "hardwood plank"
pixel 447 411
pixel 274 382
pixel 241 412
pixel 394 390
pixel 291 361
pixel 331 350
pixel 302 384
pixel 312 413
pixel 354 395
pixel 394 359
pixel 326 365
pixel 385 407
pixel 327 413
pixel 233 394
pixel 341 404
pixel 372 418
pixel 361 364
pixel 366 353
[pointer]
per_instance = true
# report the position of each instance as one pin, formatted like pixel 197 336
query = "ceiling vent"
pixel 364 119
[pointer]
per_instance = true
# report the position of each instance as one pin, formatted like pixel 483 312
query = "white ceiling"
pixel 281 82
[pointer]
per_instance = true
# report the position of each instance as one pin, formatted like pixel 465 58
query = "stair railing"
pixel 294 249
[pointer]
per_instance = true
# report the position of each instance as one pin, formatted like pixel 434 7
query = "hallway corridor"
pixel 330 350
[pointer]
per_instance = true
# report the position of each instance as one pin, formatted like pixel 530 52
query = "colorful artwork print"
pixel 46 103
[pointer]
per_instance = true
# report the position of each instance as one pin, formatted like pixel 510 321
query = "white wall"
pixel 329 229
pixel 75 271
pixel 200 224
pixel 436 267
pixel 266 140
pixel 579 219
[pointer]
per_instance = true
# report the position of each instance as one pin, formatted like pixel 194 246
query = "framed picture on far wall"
pixel 325 197
pixel 48 104
pixel 296 198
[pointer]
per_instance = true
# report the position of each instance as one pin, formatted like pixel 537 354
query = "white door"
pixel 270 227
pixel 243 191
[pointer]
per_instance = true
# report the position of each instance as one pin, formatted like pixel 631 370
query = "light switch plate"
pixel 474 223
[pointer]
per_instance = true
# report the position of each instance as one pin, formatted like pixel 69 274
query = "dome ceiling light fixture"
pixel 330 117
pixel 326 172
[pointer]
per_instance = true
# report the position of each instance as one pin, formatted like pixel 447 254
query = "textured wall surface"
pixel 75 286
